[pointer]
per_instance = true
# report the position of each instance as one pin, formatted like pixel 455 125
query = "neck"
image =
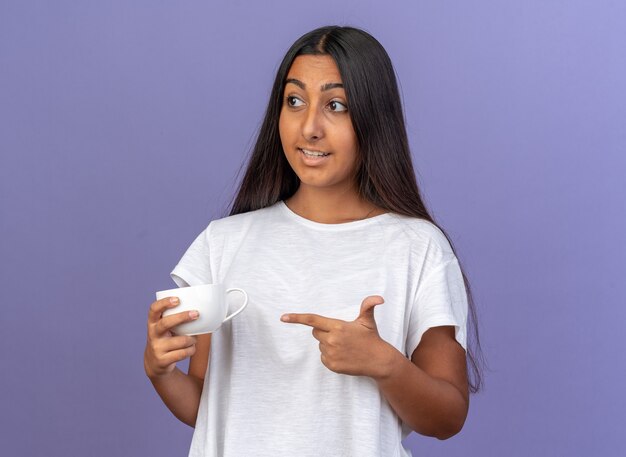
pixel 330 206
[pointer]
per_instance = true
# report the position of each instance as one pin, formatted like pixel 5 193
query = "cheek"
pixel 352 146
pixel 286 139
pixel 285 130
pixel 349 145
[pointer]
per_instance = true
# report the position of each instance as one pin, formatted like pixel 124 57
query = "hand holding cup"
pixel 163 348
pixel 177 316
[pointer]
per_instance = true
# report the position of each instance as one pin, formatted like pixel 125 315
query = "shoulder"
pixel 240 223
pixel 425 244
pixel 420 232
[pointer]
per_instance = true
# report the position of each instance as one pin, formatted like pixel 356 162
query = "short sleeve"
pixel 441 299
pixel 194 268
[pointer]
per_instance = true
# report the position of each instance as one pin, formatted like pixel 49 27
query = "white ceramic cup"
pixel 210 300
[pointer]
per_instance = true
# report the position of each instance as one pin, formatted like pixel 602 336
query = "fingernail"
pixel 284 318
pixel 194 314
pixel 174 300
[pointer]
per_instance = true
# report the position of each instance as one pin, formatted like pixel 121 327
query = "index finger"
pixel 157 308
pixel 312 320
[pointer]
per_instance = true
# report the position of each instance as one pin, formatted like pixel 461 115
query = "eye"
pixel 294 101
pixel 337 106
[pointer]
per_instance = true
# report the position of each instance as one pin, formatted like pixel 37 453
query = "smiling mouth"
pixel 311 153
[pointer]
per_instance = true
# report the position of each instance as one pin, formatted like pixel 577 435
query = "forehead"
pixel 314 69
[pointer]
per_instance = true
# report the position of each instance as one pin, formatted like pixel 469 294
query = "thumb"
pixel 366 315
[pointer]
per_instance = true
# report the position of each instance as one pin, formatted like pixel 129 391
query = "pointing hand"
pixel 353 348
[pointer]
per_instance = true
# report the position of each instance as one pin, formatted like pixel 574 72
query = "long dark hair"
pixel 385 174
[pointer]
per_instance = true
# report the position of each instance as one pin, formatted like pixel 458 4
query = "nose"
pixel 313 125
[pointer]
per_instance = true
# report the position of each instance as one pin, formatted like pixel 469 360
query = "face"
pixel 315 127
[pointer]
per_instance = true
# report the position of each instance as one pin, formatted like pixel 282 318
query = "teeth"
pixel 314 153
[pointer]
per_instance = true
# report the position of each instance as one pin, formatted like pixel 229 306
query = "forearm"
pixel 180 393
pixel 430 406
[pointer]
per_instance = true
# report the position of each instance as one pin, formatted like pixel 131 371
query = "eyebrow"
pixel 325 87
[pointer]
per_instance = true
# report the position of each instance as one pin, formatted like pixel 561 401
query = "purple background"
pixel 122 129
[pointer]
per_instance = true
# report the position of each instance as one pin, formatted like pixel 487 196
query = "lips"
pixel 313 158
pixel 312 153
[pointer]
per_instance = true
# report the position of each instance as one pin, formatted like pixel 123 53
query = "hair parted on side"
pixel 385 173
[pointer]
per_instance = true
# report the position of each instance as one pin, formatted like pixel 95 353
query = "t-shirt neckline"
pixel 331 227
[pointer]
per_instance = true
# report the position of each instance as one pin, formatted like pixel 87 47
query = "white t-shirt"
pixel 266 392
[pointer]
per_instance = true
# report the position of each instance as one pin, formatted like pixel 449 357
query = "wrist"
pixel 386 362
pixel 156 376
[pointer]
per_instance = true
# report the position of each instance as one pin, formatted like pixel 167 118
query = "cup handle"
pixel 245 303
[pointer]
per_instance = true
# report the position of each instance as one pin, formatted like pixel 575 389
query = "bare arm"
pixel 430 392
pixel 179 391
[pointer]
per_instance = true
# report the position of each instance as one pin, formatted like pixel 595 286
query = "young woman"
pixel 356 329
